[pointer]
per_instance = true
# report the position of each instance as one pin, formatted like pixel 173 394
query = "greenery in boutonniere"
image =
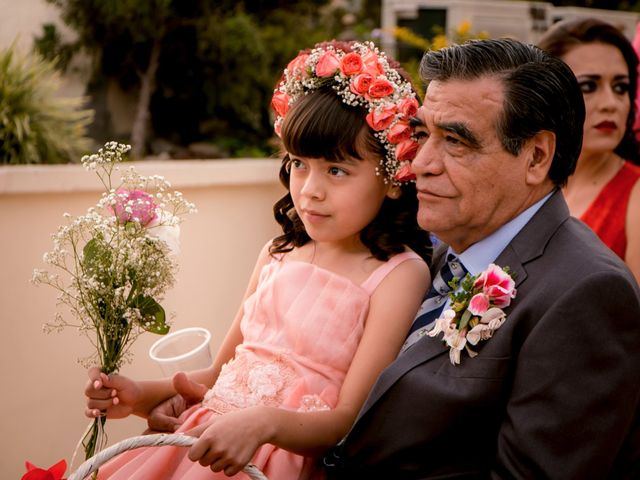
pixel 475 311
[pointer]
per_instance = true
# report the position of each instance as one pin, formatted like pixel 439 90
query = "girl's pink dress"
pixel 301 329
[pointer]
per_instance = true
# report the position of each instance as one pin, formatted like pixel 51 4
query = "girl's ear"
pixel 394 192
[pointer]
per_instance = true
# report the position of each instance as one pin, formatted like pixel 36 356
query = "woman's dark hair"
pixel 567 34
pixel 540 93
pixel 320 125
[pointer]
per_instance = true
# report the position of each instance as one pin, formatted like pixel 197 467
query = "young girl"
pixel 330 300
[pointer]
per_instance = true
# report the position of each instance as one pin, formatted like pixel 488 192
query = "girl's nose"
pixel 313 186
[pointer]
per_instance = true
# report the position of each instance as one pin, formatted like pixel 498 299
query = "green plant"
pixel 36 125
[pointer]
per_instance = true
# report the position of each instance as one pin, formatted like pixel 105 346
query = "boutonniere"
pixel 476 310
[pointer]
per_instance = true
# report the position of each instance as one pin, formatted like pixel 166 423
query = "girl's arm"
pixel 230 441
pixel 120 396
pixel 632 255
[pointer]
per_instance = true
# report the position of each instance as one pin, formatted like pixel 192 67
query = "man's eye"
pixel 453 140
pixel 421 136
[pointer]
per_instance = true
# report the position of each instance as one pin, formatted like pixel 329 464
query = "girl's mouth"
pixel 606 126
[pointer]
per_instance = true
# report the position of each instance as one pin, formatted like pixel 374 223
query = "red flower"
pixel 351 64
pixel 380 88
pixel 54 472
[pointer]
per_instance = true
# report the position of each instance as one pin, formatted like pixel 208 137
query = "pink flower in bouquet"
pixel 497 285
pixel 134 205
pixel 54 472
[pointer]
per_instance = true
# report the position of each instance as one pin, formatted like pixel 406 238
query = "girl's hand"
pixel 113 395
pixel 228 442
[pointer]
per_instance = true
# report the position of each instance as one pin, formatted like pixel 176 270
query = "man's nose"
pixel 428 160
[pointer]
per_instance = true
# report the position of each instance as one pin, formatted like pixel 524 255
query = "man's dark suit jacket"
pixel 554 393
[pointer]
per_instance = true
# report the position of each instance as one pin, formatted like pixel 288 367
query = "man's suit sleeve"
pixel 576 390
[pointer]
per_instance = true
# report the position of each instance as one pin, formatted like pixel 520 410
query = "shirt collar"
pixel 478 256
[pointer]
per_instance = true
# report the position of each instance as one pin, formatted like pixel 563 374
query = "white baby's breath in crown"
pixel 362 77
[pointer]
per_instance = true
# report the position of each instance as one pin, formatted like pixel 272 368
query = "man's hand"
pixel 165 417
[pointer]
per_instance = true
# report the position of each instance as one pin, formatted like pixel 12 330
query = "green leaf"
pixel 153 316
pixel 466 316
pixel 90 253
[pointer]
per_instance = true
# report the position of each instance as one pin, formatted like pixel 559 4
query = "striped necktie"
pixel 436 298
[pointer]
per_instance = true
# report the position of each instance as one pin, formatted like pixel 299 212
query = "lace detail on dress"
pixel 313 403
pixel 246 383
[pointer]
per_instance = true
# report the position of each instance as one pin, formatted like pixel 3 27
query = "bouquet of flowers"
pixel 116 263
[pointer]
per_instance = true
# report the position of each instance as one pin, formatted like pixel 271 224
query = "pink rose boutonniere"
pixel 476 310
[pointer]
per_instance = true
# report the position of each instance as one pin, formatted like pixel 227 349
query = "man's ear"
pixel 541 150
pixel 394 192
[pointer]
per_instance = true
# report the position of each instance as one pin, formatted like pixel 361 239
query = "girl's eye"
pixel 621 88
pixel 336 171
pixel 588 86
pixel 296 164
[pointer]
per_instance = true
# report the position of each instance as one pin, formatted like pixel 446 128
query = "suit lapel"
pixel 527 245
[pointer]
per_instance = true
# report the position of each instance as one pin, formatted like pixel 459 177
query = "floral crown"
pixel 361 76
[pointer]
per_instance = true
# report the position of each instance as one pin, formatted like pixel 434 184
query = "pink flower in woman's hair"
pixel 400 132
pixel 327 64
pixel 409 107
pixel 298 66
pixel 497 285
pixel 361 83
pixel 54 472
pixel 371 64
pixel 406 150
pixel 134 205
pixel 280 103
pixel 351 64
pixel 380 88
pixel 405 173
pixel 381 118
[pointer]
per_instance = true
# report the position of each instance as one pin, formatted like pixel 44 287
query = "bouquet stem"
pixel 95 438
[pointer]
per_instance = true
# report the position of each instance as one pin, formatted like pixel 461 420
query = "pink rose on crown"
pixel 405 173
pixel 361 84
pixel 280 103
pixel 298 66
pixel 380 88
pixel 400 132
pixel 351 64
pixel 381 118
pixel 409 107
pixel 327 65
pixel 406 150
pixel 134 206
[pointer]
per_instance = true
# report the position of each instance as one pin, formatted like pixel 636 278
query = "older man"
pixel 555 391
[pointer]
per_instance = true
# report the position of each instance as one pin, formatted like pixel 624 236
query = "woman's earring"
pixel 394 193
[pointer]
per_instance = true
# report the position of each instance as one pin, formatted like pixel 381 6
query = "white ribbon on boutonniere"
pixel 476 310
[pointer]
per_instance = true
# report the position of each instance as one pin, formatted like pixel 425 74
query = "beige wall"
pixel 41 406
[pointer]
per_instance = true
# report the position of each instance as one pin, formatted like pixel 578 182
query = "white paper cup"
pixel 182 350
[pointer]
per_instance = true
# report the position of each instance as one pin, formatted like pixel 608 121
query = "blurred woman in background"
pixel 604 191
